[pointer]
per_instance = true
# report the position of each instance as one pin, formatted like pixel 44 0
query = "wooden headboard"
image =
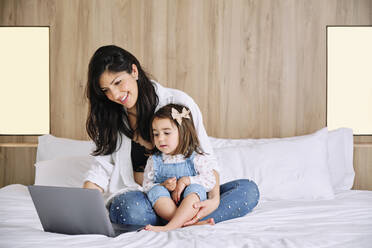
pixel 257 68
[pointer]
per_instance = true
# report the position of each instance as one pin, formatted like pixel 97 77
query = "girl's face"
pixel 166 135
pixel 121 87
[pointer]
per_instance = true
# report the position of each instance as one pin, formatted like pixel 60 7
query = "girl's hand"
pixel 170 183
pixel 205 208
pixel 181 185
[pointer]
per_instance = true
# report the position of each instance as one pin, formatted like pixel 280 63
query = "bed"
pixel 306 197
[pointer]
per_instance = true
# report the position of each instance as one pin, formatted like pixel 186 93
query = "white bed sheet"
pixel 345 221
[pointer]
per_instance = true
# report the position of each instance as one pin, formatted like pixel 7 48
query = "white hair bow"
pixel 178 116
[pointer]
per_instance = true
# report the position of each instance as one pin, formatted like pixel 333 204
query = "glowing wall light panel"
pixel 24 80
pixel 349 78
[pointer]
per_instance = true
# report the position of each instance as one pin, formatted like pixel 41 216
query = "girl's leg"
pixel 162 202
pixel 183 213
pixel 133 208
pixel 165 208
pixel 237 198
pixel 192 194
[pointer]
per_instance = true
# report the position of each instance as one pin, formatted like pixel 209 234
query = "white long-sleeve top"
pixel 203 165
pixel 114 172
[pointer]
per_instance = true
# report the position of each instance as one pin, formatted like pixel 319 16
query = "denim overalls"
pixel 163 171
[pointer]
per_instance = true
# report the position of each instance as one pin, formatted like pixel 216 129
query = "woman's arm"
pixel 98 176
pixel 208 206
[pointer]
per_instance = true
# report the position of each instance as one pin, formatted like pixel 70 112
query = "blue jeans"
pixel 238 198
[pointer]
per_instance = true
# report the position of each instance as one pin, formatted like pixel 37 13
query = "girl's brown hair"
pixel 188 138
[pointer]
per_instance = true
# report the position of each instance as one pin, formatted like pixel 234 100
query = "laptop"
pixel 74 211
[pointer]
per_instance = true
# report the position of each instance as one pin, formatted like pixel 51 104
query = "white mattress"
pixel 343 222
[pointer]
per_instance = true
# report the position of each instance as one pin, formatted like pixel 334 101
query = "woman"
pixel 122 101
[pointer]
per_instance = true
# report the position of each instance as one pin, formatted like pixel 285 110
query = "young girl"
pixel 178 173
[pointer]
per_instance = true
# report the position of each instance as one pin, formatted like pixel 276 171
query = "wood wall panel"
pixel 363 168
pixel 17 165
pixel 256 68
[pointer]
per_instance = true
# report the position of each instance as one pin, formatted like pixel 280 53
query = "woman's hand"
pixel 205 208
pixel 170 183
pixel 181 185
pixel 90 185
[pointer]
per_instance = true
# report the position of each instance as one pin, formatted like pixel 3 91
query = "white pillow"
pixel 340 158
pixel 51 147
pixel 340 154
pixel 293 169
pixel 340 146
pixel 64 172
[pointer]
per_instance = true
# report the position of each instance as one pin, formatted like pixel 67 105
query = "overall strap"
pixel 158 161
pixel 190 162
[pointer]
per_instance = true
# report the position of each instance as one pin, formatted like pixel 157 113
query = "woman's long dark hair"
pixel 106 119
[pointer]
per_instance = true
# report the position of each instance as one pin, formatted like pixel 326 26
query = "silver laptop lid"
pixel 71 210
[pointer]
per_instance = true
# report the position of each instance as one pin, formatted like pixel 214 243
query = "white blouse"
pixel 203 164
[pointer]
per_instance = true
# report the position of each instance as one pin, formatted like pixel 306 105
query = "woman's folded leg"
pixel 133 208
pixel 237 198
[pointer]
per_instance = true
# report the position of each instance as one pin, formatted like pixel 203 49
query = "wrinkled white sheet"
pixel 343 222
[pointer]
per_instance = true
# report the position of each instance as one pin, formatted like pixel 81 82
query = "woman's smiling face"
pixel 121 87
